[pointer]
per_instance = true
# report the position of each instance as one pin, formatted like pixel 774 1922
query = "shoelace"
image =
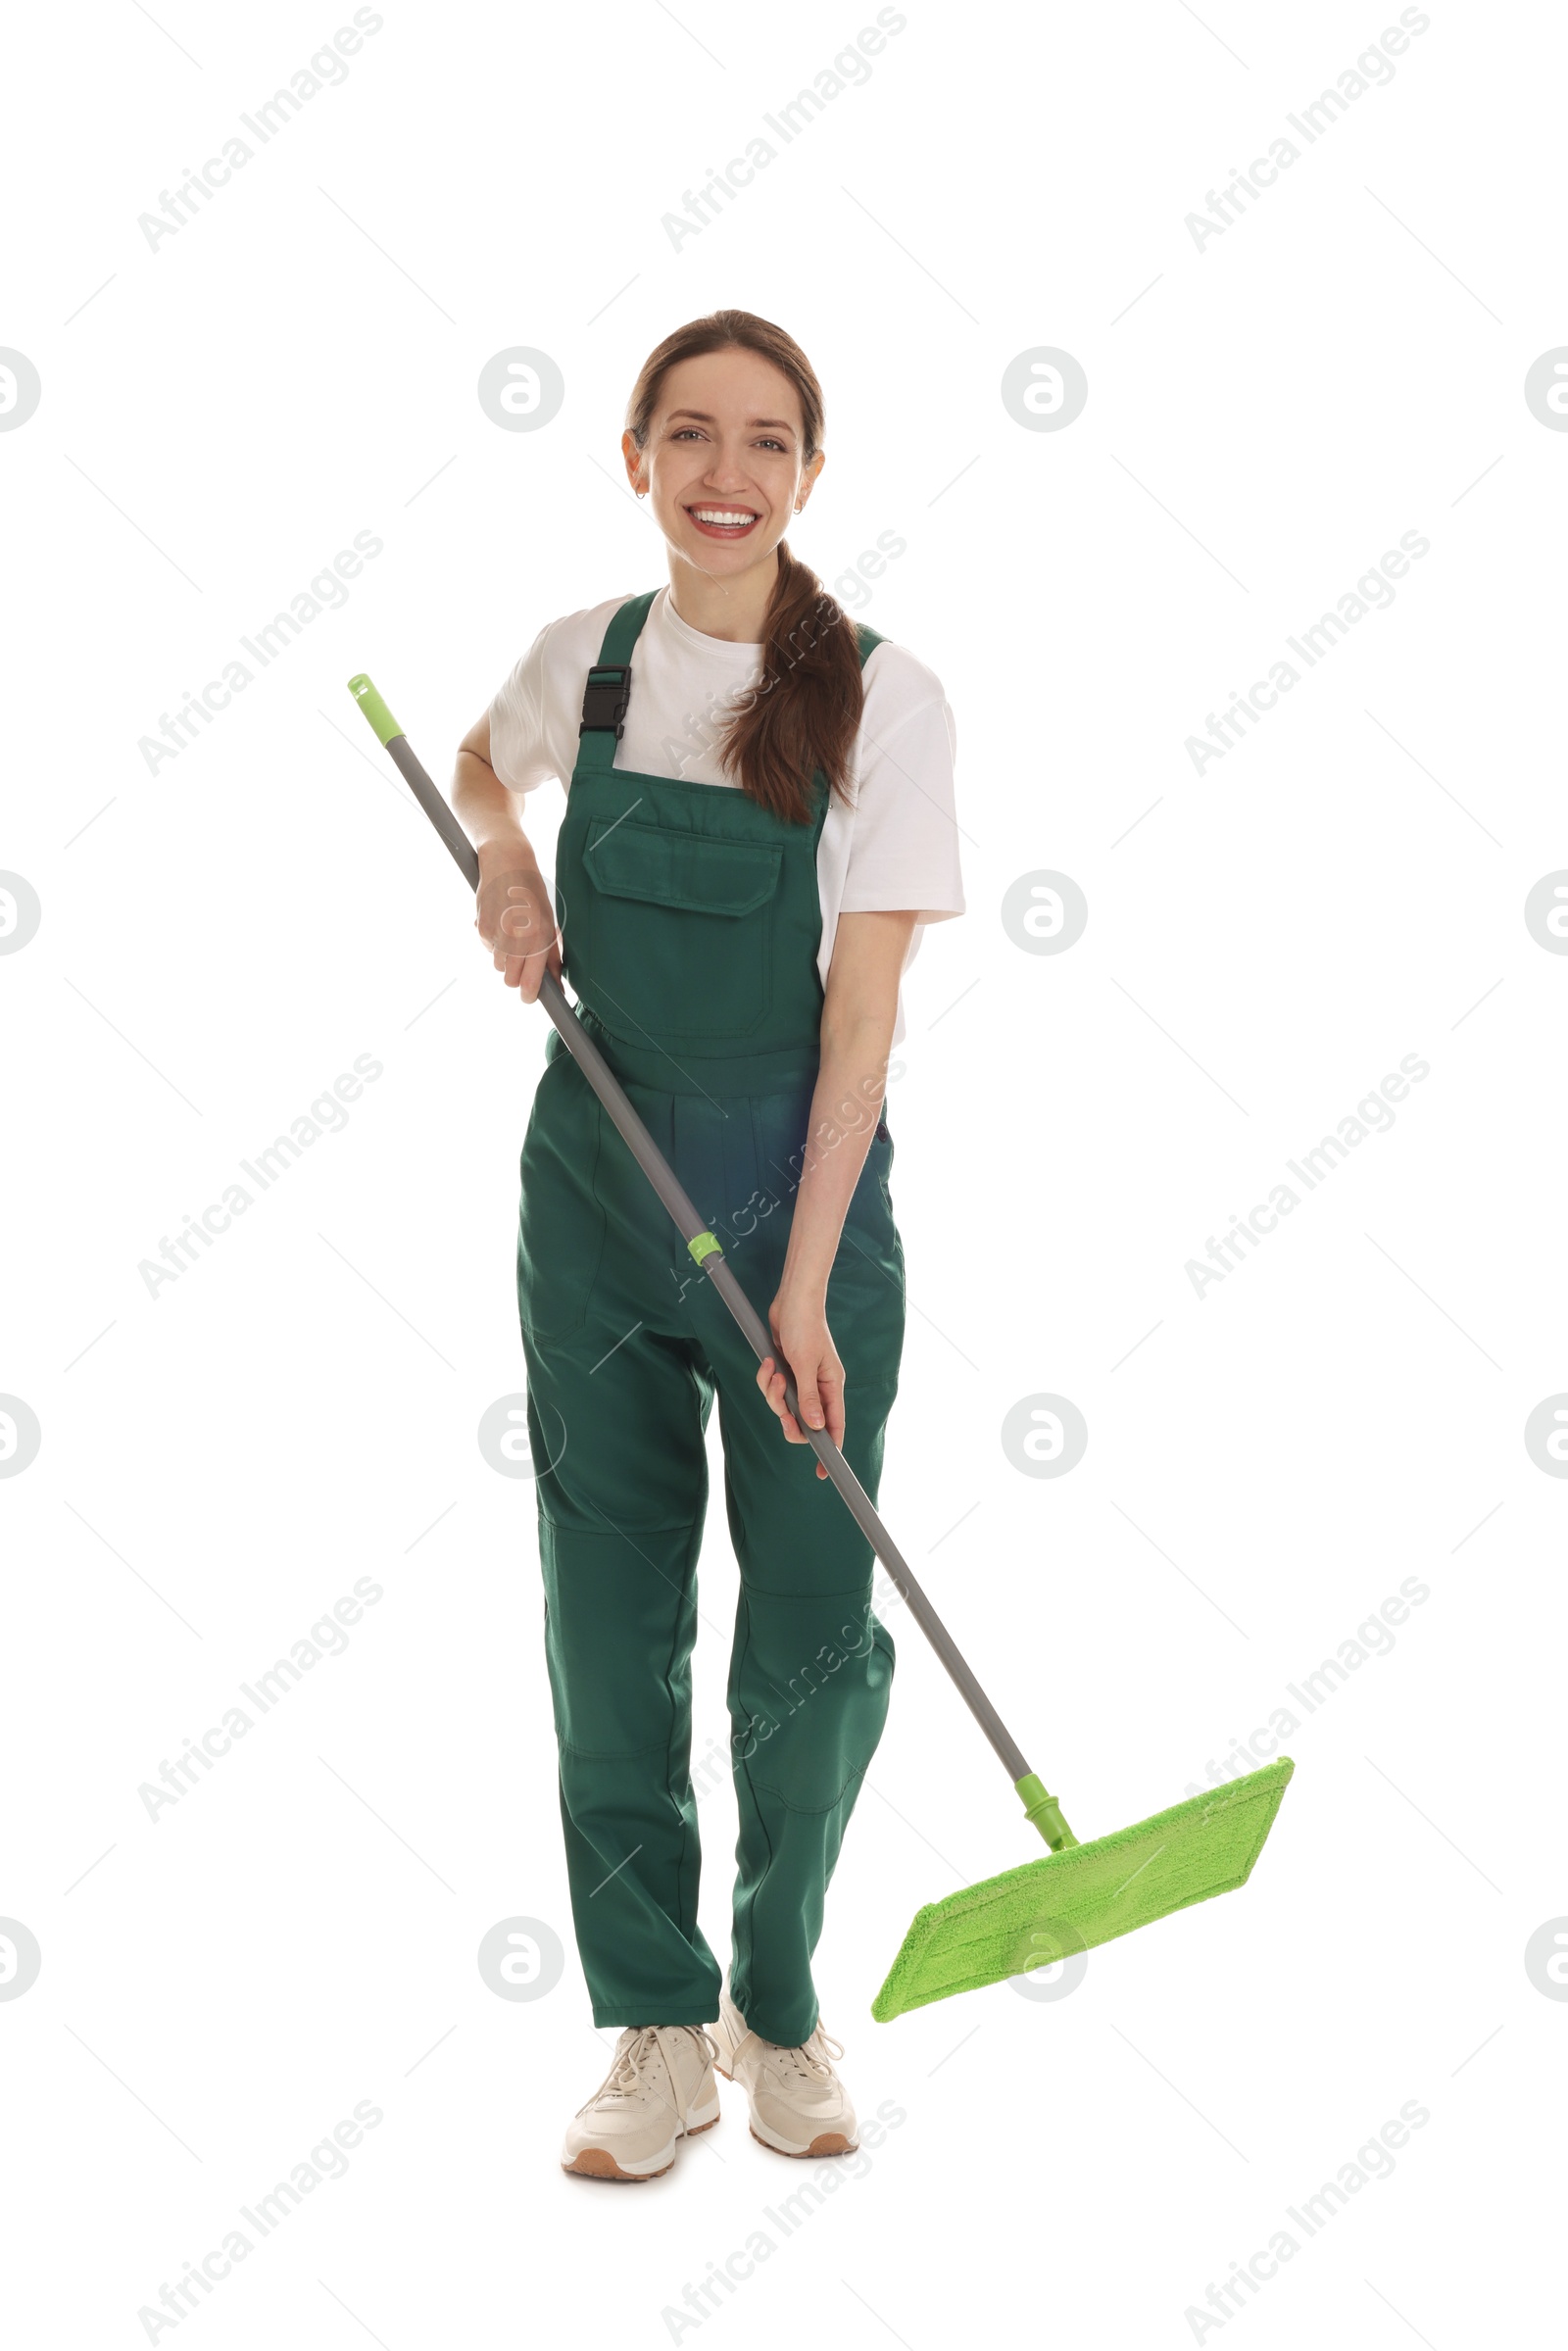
pixel 629 2069
pixel 811 2059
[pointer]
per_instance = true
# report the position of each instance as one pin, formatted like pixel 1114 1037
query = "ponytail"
pixel 805 711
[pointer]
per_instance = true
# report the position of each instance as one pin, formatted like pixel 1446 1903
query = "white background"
pixel 1265 1464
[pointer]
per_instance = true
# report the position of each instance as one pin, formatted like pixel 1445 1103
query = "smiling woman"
pixel 735 909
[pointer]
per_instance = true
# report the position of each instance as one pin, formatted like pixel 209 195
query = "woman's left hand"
pixel 806 1344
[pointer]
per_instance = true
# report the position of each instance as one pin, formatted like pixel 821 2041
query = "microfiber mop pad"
pixel 1088 1894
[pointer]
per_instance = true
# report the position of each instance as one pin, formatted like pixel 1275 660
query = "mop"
pixel 1049 1909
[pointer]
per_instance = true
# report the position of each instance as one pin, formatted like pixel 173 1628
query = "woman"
pixel 758 815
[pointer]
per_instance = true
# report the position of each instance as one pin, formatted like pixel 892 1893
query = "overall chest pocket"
pixel 679 936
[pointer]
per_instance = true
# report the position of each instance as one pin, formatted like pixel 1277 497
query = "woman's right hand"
pixel 514 916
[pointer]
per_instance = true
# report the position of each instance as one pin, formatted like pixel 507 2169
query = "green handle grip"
pixel 374 708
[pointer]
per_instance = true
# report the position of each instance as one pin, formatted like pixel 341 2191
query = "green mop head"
pixel 1087 1894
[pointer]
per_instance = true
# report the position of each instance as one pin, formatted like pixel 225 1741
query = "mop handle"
pixel 707 1254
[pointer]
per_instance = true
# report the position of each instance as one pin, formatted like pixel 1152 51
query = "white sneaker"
pixel 659 2088
pixel 799 2105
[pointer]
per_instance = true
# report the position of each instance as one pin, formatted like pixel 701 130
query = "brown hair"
pixel 805 711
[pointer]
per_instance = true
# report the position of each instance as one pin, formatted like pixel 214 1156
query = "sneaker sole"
pixel 826 2142
pixel 597 2163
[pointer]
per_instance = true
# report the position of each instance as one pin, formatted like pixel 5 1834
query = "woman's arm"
pixel 859 1007
pixel 515 916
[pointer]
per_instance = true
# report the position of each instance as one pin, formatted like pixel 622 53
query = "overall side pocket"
pixel 561 1225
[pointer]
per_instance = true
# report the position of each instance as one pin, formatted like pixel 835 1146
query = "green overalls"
pixel 691 921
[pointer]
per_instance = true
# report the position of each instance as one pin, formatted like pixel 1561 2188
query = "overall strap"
pixel 608 694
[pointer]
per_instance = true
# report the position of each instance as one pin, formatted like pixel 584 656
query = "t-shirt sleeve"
pixel 903 849
pixel 519 752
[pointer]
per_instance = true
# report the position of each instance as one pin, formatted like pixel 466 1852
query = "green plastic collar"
pixel 374 708
pixel 706 1245
pixel 1044 1812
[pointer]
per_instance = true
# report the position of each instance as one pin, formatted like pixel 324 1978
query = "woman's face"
pixel 724 466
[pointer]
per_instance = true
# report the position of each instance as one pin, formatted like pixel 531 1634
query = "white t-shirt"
pixel 898 844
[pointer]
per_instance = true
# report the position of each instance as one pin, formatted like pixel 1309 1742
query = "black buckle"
pixel 605 699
